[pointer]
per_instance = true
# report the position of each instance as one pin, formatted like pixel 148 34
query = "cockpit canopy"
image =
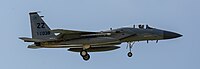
pixel 143 27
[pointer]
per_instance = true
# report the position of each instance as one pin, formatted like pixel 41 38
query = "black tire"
pixel 130 54
pixel 83 53
pixel 86 58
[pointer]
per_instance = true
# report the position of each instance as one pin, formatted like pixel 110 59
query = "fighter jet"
pixel 87 41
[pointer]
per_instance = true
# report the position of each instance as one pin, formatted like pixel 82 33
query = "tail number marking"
pixel 40 25
pixel 43 33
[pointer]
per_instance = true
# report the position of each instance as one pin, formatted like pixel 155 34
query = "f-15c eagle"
pixel 86 41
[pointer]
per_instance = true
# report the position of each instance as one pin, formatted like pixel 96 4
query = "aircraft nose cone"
pixel 170 35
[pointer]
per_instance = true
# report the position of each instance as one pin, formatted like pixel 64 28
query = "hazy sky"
pixel 182 16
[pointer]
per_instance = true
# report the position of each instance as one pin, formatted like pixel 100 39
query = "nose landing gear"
pixel 130 46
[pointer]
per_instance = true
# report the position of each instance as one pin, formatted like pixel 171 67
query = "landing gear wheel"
pixel 130 46
pixel 83 53
pixel 86 57
pixel 130 54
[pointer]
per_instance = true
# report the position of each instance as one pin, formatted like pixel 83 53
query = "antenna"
pixel 156 41
pixel 110 28
pixel 133 26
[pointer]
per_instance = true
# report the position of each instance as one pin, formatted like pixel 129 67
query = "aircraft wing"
pixel 71 31
pixel 72 34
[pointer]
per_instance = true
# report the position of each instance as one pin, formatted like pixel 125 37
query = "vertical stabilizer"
pixel 39 28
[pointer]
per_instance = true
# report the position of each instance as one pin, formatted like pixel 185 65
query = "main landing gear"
pixel 130 46
pixel 84 53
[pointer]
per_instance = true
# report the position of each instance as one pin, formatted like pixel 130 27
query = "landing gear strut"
pixel 130 46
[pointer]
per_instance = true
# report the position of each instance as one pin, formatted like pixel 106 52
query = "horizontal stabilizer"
pixel 26 39
pixel 33 46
